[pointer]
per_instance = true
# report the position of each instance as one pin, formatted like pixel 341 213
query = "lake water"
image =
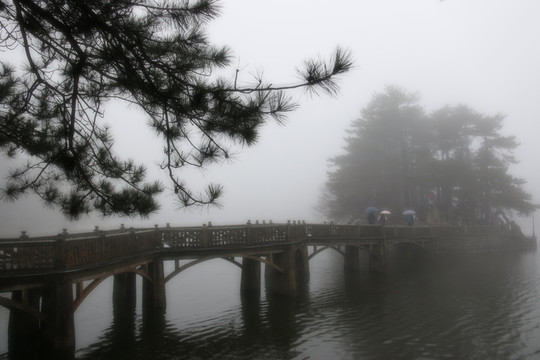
pixel 482 306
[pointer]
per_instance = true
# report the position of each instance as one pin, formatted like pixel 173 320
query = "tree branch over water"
pixel 79 55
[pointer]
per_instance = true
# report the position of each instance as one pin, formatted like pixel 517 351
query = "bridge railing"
pixel 178 238
pixel 65 251
pixel 69 251
pixel 107 247
pixel 21 256
pixel 343 231
pixel 231 236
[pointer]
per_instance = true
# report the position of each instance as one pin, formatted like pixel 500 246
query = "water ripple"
pixel 475 307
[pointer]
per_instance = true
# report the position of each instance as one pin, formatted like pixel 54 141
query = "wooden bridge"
pixel 49 277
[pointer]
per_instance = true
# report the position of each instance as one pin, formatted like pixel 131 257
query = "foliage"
pixel 396 156
pixel 79 55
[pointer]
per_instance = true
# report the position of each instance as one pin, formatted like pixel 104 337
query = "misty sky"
pixel 482 53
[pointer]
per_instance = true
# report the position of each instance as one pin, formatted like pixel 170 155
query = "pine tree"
pixel 378 166
pixel 80 55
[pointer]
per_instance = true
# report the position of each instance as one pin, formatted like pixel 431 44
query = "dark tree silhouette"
pixel 78 55
pixel 396 157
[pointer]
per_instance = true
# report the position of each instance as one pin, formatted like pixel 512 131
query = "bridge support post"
pixel 124 294
pixel 23 328
pixel 292 263
pixel 282 282
pixel 251 277
pixel 377 258
pixel 352 258
pixel 58 330
pixel 302 264
pixel 154 296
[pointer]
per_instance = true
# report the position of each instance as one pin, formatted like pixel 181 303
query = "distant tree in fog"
pixel 78 55
pixel 379 163
pixel 474 159
pixel 453 163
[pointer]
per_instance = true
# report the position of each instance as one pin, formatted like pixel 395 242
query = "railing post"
pixel 157 239
pixel 204 236
pixel 249 233
pixel 99 241
pixel 166 236
pixel 60 261
pixel 102 239
pixel 288 230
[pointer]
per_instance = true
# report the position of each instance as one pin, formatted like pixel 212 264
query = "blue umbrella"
pixel 409 212
pixel 371 209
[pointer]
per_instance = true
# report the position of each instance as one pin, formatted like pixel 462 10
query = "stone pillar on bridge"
pixel 58 329
pixel 251 277
pixel 377 257
pixel 352 258
pixel 154 296
pixel 124 294
pixel 303 256
pixel 23 328
pixel 290 273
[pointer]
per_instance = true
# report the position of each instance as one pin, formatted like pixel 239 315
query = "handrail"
pixel 69 251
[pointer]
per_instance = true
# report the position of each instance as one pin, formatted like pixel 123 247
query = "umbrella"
pixel 386 212
pixel 371 209
pixel 409 212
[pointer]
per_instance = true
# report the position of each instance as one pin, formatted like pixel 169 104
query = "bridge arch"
pixel 230 259
pixel 318 250
pixel 338 249
pixel 83 292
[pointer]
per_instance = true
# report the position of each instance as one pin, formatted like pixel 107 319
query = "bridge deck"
pixel 31 261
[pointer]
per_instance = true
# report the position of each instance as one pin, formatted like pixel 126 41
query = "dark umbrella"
pixel 371 209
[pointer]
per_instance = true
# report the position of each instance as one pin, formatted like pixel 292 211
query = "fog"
pixel 482 53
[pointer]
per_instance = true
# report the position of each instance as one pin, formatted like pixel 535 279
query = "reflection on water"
pixel 484 306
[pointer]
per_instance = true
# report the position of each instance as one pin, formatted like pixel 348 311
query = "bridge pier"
pixel 154 296
pixel 377 258
pixel 292 264
pixel 251 277
pixel 124 294
pixel 23 328
pixel 58 330
pixel 352 259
